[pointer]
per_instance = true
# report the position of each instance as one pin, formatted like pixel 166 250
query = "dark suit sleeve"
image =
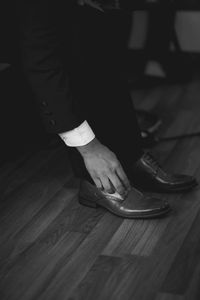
pixel 43 65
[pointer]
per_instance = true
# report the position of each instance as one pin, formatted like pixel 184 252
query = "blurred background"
pixel 163 47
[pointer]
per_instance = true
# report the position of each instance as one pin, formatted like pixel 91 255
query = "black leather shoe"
pixel 135 205
pixel 148 175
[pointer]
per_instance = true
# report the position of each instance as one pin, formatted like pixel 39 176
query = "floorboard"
pixel 52 248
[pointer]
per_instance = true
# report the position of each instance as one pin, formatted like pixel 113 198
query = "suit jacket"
pixel 46 40
pixel 41 23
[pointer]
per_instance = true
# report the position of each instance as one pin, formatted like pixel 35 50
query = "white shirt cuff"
pixel 80 136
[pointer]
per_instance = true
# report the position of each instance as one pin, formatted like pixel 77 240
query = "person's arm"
pixel 50 85
pixel 43 65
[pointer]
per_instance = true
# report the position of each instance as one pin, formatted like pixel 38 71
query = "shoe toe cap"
pixel 146 205
pixel 185 180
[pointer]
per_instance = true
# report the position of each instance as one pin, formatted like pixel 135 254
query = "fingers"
pixel 109 183
pixel 115 180
pixel 106 184
pixel 97 182
pixel 121 174
pixel 117 183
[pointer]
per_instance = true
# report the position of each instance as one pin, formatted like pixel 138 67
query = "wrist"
pixel 88 148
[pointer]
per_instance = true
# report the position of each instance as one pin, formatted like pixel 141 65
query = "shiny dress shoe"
pixel 134 206
pixel 148 175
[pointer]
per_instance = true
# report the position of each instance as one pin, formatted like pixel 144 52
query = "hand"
pixel 104 168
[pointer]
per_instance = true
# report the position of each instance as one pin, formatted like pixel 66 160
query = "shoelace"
pixel 152 161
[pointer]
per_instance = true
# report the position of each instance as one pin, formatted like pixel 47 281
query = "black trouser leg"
pixel 98 87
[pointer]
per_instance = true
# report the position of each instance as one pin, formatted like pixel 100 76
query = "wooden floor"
pixel 52 248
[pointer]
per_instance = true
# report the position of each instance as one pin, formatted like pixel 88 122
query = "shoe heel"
pixel 88 202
